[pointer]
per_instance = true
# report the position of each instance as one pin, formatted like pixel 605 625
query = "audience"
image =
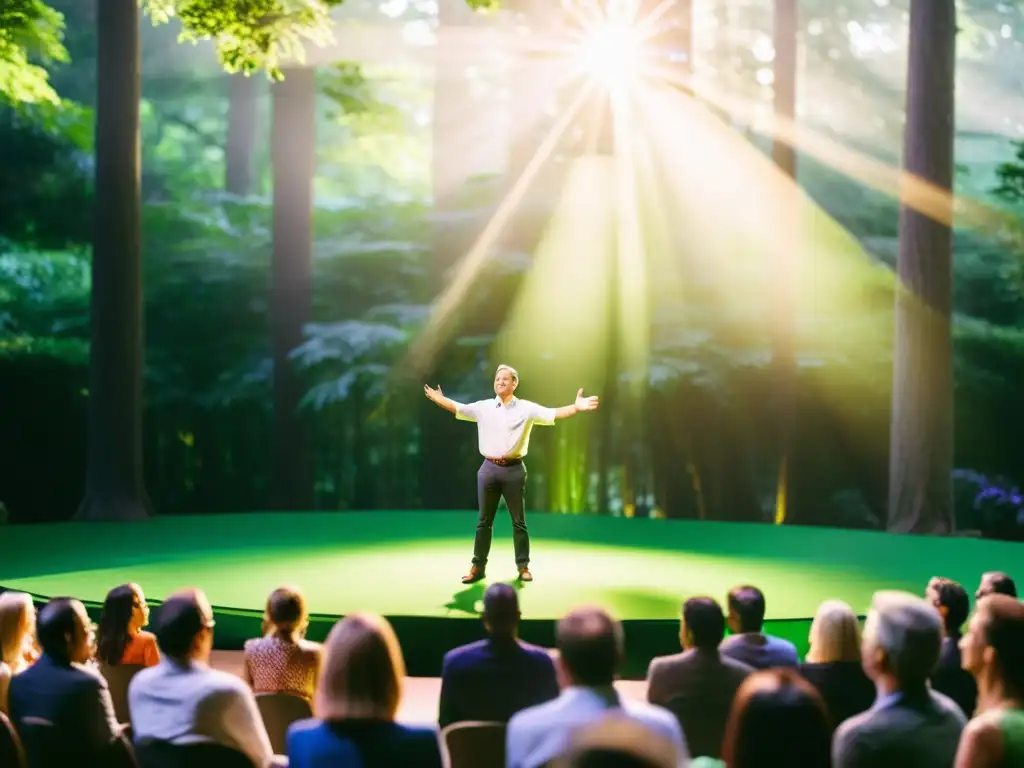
pixel 17 638
pixel 993 651
pixel 951 601
pixel 121 638
pixel 910 726
pixel 283 661
pixel 182 700
pixel 590 646
pixel 833 663
pixel 748 644
pixel 493 679
pixel 357 697
pixel 995 583
pixel 698 685
pixel 59 691
pixel 778 720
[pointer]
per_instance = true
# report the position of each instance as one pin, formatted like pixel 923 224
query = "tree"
pixel 921 439
pixel 29 30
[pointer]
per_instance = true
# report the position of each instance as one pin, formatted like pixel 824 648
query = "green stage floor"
pixel 408 565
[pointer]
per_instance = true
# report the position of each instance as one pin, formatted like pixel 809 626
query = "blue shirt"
pixel 361 744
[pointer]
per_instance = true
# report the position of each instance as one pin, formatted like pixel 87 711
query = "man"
pixel 699 684
pixel 503 435
pixel 748 644
pixel 58 689
pixel 492 679
pixel 995 583
pixel 951 601
pixel 181 700
pixel 910 726
pixel 590 648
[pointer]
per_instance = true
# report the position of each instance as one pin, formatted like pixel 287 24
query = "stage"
pixel 407 565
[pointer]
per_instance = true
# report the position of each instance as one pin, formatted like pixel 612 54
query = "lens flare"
pixel 610 53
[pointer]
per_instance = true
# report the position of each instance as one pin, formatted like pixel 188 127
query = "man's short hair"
pixel 179 620
pixel 999 583
pixel 953 597
pixel 704 621
pixel 909 630
pixel 56 621
pixel 747 603
pixel 501 607
pixel 590 644
pixel 510 369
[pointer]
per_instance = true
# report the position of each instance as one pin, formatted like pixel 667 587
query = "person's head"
pixel 993 648
pixel 995 583
pixel 703 624
pixel 184 627
pixel 902 638
pixel 17 626
pixel 951 601
pixel 746 609
pixel 361 674
pixel 617 742
pixel 285 613
pixel 506 379
pixel 835 634
pixel 777 718
pixel 125 612
pixel 65 631
pixel 590 647
pixel 501 611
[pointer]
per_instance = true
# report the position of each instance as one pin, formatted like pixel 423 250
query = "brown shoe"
pixel 525 575
pixel 475 574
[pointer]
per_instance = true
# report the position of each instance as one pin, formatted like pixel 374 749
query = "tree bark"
pixel 240 144
pixel 114 479
pixel 921 435
pixel 293 146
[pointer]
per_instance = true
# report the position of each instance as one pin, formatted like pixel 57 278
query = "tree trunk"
pixel 293 146
pixel 921 436
pixel 114 479
pixel 240 145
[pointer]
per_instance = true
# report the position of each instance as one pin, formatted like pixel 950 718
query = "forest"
pixel 249 324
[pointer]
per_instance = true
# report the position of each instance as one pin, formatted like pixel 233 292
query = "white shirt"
pixel 192 703
pixel 503 430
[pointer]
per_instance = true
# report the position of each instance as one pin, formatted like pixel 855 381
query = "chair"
pixel 46 748
pixel 11 752
pixel 162 754
pixel 475 745
pixel 118 677
pixel 703 719
pixel 280 710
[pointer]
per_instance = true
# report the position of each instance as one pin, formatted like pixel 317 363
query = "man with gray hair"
pixel 910 725
pixel 503 424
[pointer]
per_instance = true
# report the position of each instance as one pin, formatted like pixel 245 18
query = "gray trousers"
pixel 492 483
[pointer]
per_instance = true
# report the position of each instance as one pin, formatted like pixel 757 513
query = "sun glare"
pixel 610 52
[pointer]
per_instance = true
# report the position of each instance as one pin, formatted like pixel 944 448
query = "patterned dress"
pixel 276 665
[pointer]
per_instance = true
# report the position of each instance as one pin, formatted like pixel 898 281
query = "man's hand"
pixel 436 395
pixel 585 403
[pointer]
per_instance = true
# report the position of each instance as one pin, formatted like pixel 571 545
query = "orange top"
pixel 141 649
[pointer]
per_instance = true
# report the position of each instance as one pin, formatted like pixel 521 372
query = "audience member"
pixel 590 645
pixel 283 661
pixel 995 583
pixel 951 601
pixel 121 637
pixel 833 663
pixel 748 643
pixel 356 701
pixel 57 689
pixel 778 719
pixel 17 638
pixel 493 679
pixel 181 700
pixel 699 684
pixel 910 726
pixel 618 742
pixel 993 651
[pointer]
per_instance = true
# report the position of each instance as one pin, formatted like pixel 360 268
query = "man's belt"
pixel 505 462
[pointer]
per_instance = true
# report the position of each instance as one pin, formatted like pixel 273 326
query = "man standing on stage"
pixel 503 427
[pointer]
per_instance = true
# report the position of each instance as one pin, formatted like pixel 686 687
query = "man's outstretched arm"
pixel 582 404
pixel 437 396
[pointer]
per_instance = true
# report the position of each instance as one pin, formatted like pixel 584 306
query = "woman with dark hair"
pixel 121 639
pixel 777 718
pixel 283 661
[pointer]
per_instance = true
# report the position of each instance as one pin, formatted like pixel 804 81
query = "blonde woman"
pixel 833 664
pixel 17 639
pixel 283 661
pixel 357 696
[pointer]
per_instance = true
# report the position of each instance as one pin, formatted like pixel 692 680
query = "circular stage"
pixel 407 565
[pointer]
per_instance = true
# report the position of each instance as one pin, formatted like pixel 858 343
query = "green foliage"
pixel 1011 177
pixel 31 35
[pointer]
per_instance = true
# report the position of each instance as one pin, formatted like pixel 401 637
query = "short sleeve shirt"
pixel 503 429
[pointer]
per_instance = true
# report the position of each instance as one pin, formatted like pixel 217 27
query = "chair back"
pixel 11 751
pixel 475 745
pixel 703 719
pixel 162 754
pixel 118 677
pixel 280 710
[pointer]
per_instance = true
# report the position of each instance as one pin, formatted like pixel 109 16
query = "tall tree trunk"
pixel 921 436
pixel 114 479
pixel 240 144
pixel 293 146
